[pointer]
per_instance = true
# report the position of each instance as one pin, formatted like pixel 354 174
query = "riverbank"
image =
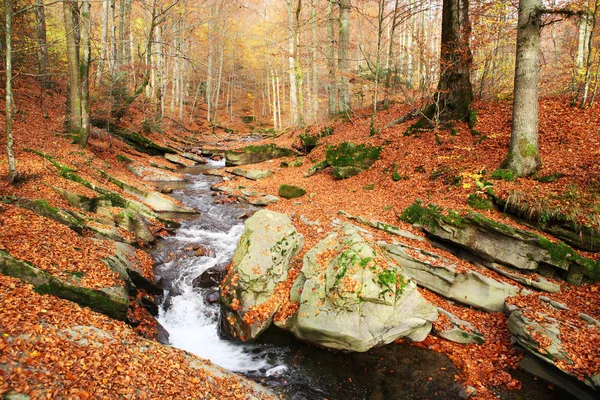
pixel 78 223
pixel 77 287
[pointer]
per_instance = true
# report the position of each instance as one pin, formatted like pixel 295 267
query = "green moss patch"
pixel 504 174
pixel 349 159
pixel 291 191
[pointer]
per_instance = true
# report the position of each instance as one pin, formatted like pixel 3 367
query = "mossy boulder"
pixel 255 154
pixel 500 243
pixel 349 159
pixel 291 191
pixel 111 301
pixel 352 296
pixel 260 264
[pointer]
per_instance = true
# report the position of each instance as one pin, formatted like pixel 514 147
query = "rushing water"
pixel 296 370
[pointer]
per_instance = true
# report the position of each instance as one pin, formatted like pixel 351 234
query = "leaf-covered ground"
pixel 443 168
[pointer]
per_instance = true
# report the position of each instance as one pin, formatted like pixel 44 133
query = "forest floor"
pixel 443 168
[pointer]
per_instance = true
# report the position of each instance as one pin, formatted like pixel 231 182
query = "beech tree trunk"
pixel 84 68
pixel 331 64
pixel 343 56
pixel 12 166
pixel 523 154
pixel 104 41
pixel 73 120
pixel 455 94
pixel 294 114
pixel 42 51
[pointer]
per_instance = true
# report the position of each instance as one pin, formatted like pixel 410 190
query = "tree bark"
pixel 455 94
pixel 343 56
pixel 73 120
pixel 12 166
pixel 42 51
pixel 294 114
pixel 104 41
pixel 314 67
pixel 331 61
pixel 523 154
pixel 84 68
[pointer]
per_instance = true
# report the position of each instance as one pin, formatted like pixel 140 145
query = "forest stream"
pixel 295 370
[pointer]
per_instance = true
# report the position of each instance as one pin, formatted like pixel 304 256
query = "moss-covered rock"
pixel 320 166
pixel 112 301
pixel 291 191
pixel 497 242
pixel 255 154
pixel 349 159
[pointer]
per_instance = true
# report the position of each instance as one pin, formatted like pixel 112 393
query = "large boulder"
pixel 255 154
pixel 260 264
pixel 353 296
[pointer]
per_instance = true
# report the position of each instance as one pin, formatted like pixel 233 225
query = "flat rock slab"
pixel 441 276
pixel 252 174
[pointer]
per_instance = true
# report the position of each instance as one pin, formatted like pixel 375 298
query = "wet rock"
pixel 215 172
pixel 166 190
pixel 260 263
pixel 149 305
pixel 177 159
pixel 212 277
pixel 353 296
pixel 212 297
pixel 194 157
pixel 202 251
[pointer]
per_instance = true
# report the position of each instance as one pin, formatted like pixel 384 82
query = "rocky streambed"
pixel 191 263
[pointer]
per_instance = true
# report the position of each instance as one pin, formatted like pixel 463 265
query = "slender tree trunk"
pixel 591 23
pixel 12 165
pixel 314 66
pixel 331 60
pixel 294 113
pixel 113 38
pixel 390 53
pixel 73 116
pixel 278 103
pixel 42 51
pixel 275 125
pixel 377 70
pixel 343 56
pixel 409 46
pixel 104 41
pixel 523 154
pixel 84 68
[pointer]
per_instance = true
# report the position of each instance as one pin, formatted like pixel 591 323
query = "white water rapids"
pixel 190 321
